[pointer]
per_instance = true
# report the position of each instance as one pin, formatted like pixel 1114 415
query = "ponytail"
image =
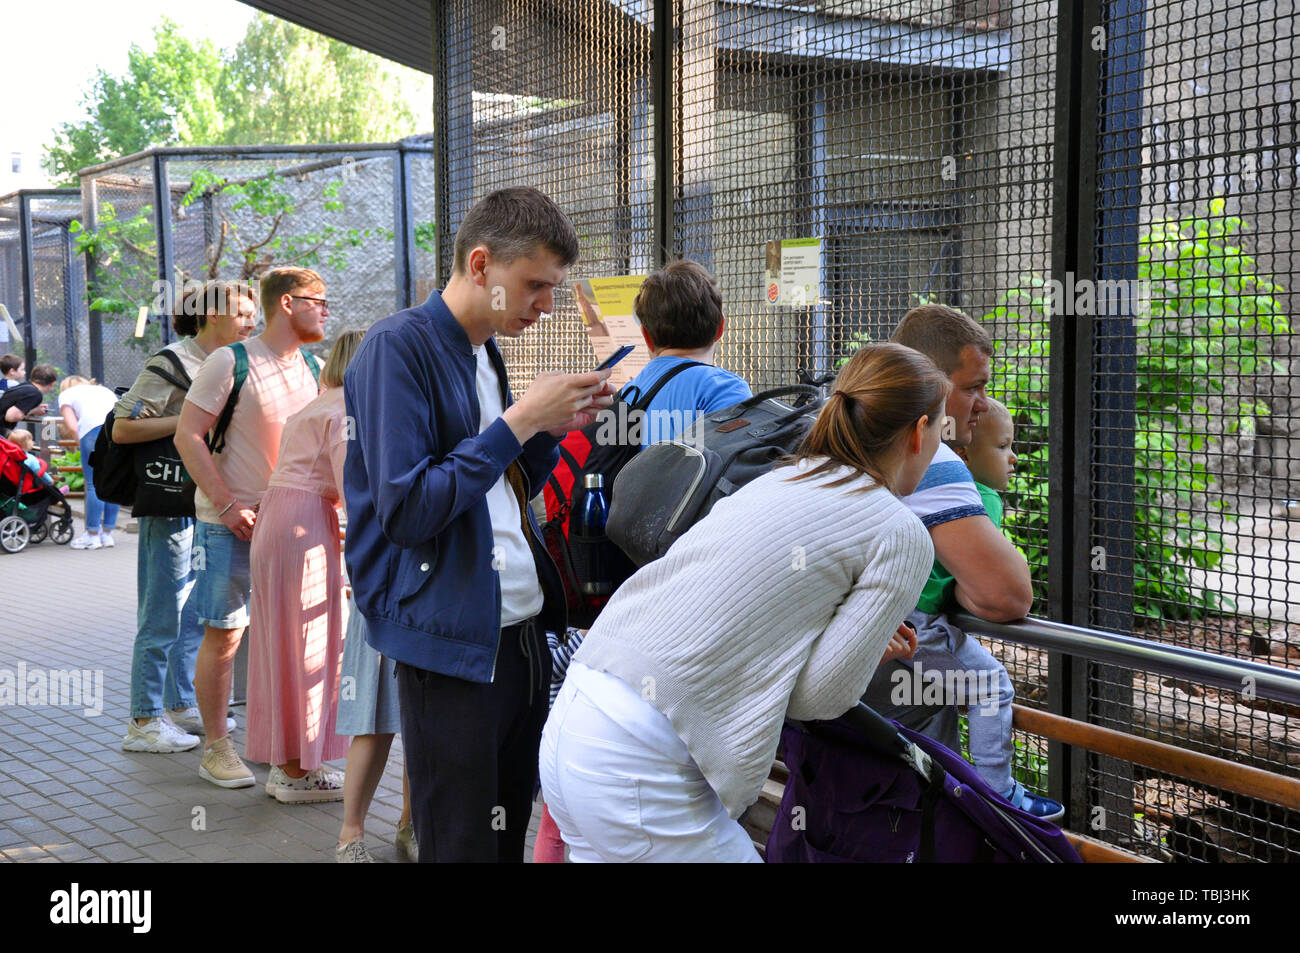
pixel 877 398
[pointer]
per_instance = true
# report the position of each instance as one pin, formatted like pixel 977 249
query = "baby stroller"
pixel 863 788
pixel 31 506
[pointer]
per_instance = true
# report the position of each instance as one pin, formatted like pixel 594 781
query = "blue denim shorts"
pixel 221 580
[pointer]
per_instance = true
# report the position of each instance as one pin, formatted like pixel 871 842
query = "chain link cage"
pixel 38 228
pixel 1108 187
pixel 360 215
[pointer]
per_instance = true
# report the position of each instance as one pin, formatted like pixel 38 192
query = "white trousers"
pixel 617 798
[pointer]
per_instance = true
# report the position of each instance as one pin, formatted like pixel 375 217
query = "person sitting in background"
pixel 85 405
pixel 164 710
pixel 22 400
pixel 12 371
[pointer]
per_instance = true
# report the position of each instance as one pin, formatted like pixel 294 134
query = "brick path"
pixel 67 790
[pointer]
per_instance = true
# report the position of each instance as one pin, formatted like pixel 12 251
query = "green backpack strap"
pixel 217 439
pixel 313 365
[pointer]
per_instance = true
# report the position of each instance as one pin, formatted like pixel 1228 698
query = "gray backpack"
pixel 669 487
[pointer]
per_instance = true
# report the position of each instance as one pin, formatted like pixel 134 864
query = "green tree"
pixel 281 84
pixel 167 96
pixel 284 83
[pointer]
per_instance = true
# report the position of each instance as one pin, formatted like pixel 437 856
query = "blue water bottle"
pixel 589 522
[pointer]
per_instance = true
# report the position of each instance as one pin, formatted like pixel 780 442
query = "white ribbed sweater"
pixel 780 602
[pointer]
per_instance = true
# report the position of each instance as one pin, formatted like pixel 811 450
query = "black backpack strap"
pixel 644 402
pixel 174 359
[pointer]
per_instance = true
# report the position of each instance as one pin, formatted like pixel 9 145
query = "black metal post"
pixel 69 302
pixel 662 94
pixel 162 212
pixel 403 231
pixel 94 320
pixel 29 278
pixel 1069 377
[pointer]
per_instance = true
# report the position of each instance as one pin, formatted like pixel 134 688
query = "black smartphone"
pixel 617 356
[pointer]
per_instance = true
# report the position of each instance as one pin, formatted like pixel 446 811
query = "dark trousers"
pixel 471 752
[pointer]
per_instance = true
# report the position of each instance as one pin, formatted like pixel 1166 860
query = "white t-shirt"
pixel 91 403
pixel 521 593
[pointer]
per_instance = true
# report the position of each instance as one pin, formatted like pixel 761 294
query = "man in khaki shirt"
pixel 164 711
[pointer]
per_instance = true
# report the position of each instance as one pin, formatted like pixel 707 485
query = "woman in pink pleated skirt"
pixel 296 610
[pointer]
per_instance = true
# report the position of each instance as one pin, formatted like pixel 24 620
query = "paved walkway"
pixel 67 790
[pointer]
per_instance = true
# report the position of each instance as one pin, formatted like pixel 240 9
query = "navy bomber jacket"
pixel 419 540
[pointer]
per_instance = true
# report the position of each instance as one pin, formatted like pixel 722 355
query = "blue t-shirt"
pixel 690 395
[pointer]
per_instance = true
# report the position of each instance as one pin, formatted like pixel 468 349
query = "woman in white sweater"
pixel 782 601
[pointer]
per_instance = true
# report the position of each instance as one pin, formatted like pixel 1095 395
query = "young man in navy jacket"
pixel 444 554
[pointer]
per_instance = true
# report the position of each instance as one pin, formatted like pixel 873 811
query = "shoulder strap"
pixel 217 439
pixel 313 365
pixel 174 359
pixel 644 402
pixel 181 379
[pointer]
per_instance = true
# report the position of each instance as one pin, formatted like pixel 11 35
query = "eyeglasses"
pixel 320 301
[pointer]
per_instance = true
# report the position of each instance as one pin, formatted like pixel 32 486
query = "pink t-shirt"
pixel 275 389
pixel 314 447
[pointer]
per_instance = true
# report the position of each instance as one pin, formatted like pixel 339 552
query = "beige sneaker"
pixel 221 765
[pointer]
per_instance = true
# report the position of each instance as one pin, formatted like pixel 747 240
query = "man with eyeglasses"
pixel 231 481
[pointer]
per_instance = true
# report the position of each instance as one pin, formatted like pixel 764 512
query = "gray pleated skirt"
pixel 367 689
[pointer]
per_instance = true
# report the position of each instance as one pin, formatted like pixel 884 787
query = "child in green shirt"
pixel 991 460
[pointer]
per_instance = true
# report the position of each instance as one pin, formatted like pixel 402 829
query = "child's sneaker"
pixel 1035 804
pixel 86 541
pixel 106 541
pixel 314 786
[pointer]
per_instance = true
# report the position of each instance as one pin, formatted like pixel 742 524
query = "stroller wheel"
pixel 61 531
pixel 40 531
pixel 14 534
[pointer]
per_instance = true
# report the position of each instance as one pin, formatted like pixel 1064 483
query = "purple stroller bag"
pixel 864 789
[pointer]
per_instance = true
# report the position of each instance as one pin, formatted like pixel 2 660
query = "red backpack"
pixel 581 559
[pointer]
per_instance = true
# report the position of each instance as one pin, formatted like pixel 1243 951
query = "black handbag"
pixel 162 486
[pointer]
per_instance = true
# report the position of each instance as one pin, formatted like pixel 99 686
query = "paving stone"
pixel 118 852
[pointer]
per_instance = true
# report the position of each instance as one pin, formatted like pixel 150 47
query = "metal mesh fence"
pixel 557 96
pixel 121 268
pixel 11 263
pixel 1194 430
pixel 38 225
pixel 1132 261
pixel 362 216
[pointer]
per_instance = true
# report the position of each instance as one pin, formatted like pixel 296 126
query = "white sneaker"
pixel 323 784
pixel 157 736
pixel 106 540
pixel 86 541
pixel 189 719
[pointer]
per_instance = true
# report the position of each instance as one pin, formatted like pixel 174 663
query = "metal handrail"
pixel 1271 682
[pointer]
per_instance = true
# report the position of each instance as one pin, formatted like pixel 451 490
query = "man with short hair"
pixel 23 399
pixel 165 715
pixel 680 310
pixel 231 483
pixel 992 578
pixel 443 550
